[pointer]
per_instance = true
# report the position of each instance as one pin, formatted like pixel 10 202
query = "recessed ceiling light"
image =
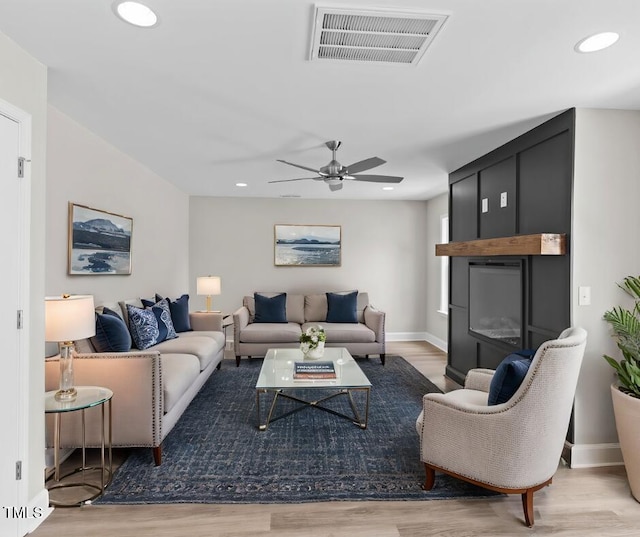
pixel 241 184
pixel 387 188
pixel 597 42
pixel 136 13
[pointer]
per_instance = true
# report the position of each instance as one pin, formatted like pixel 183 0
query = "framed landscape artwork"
pixel 307 246
pixel 99 242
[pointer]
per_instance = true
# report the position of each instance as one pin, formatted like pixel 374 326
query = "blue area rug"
pixel 216 454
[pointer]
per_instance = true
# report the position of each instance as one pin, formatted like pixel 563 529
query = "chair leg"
pixel 430 477
pixel 237 361
pixel 157 455
pixel 527 505
pixel 383 357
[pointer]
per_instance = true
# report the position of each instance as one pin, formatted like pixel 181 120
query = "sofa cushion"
pixel 271 333
pixel 143 326
pixel 270 309
pixel 204 348
pixel 112 335
pixel 346 332
pixel 508 377
pixel 131 302
pixel 294 306
pixel 179 372
pixel 341 308
pixel 315 306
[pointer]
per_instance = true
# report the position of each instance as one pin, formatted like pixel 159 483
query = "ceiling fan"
pixel 334 173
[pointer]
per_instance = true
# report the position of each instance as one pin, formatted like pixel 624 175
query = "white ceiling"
pixel 220 89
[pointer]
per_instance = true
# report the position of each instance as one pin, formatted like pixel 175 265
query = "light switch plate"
pixel 584 296
pixel 485 205
pixel 503 199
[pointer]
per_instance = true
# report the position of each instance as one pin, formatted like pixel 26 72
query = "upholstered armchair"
pixel 512 447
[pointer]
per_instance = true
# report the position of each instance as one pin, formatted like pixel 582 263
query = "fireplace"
pixel 495 301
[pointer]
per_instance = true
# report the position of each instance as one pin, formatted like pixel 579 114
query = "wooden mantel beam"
pixel 538 244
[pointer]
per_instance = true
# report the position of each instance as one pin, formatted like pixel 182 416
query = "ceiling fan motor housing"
pixel 333 169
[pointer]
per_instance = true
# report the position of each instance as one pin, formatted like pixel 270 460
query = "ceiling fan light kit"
pixel 334 174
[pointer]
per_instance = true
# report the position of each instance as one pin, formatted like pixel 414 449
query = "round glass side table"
pixel 88 397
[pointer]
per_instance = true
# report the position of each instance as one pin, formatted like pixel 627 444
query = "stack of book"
pixel 314 370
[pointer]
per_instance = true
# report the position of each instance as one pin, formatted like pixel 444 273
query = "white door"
pixel 12 355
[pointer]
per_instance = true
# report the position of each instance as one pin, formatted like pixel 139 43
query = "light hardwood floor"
pixel 586 502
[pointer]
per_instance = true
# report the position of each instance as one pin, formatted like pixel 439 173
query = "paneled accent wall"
pixel 521 188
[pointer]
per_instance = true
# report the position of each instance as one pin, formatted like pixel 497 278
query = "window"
pixel 444 267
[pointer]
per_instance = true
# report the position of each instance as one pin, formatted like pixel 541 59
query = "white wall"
pixel 436 321
pixel 84 169
pixel 605 249
pixel 384 252
pixel 24 85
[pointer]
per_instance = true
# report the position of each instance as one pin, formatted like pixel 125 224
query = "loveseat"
pixel 353 322
pixel 151 387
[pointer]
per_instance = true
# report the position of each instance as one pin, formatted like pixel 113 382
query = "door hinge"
pixel 21 161
pixel 18 470
pixel 19 323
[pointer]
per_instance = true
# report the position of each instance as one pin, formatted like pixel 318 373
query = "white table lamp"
pixel 208 286
pixel 68 318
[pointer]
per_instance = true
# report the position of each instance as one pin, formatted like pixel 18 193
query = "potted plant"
pixel 626 393
pixel 312 342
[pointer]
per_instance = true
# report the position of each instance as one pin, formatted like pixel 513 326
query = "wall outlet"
pixel 485 205
pixel 503 199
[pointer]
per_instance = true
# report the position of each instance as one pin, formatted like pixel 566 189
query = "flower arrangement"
pixel 311 338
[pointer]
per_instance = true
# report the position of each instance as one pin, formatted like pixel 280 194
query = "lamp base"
pixel 66 395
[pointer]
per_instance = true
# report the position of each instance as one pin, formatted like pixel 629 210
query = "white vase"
pixel 316 353
pixel 627 413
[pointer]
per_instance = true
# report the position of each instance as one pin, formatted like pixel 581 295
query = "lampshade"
pixel 208 285
pixel 69 317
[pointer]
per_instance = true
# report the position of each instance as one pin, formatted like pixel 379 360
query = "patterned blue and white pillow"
pixel 143 326
pixel 163 316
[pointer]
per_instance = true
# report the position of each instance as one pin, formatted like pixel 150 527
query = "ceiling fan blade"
pixel 299 166
pixel 298 179
pixel 376 178
pixel 366 164
pixel 337 186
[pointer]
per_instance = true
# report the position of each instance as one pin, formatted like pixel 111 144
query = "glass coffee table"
pixel 277 379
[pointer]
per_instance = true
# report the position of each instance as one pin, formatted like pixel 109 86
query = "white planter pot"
pixel 318 352
pixel 627 412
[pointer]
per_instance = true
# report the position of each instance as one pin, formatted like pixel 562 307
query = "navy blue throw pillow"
pixel 270 309
pixel 112 334
pixel 342 308
pixel 508 376
pixel 179 309
pixel 163 315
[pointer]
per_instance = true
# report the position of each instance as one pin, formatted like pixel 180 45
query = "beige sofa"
pixel 363 338
pixel 152 388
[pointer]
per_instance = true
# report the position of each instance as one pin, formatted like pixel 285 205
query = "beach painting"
pixel 307 246
pixel 99 241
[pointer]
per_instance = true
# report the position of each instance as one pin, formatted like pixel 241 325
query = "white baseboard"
pixel 405 336
pixel 437 342
pixel 417 336
pixel 39 509
pixel 593 455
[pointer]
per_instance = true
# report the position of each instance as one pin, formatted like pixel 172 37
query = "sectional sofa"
pixel 362 331
pixel 152 387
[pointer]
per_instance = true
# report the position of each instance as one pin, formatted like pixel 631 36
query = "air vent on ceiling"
pixel 373 36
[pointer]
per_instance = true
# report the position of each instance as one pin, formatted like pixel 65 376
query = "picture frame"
pixel 297 245
pixel 99 242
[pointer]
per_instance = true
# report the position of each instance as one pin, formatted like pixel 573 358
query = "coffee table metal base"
pixel 356 419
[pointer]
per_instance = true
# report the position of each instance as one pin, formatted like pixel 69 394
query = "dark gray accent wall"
pixel 535 171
